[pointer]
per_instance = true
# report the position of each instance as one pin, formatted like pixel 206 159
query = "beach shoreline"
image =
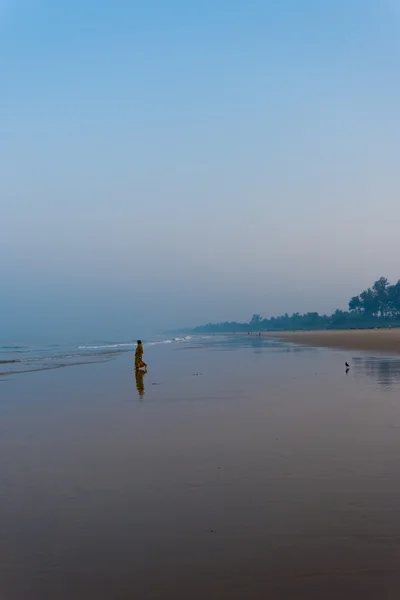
pixel 377 340
pixel 228 450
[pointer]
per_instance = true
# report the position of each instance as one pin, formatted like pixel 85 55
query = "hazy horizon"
pixel 164 166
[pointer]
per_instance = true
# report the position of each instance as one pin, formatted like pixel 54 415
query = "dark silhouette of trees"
pixel 394 300
pixel 377 306
pixel 382 300
pixel 255 320
pixel 381 295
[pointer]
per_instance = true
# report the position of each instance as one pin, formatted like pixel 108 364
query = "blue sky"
pixel 164 164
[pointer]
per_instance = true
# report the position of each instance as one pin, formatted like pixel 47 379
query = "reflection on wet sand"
pixel 257 343
pixel 383 370
pixel 270 475
pixel 139 376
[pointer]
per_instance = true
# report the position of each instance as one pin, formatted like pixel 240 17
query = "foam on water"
pixel 133 344
pixel 125 345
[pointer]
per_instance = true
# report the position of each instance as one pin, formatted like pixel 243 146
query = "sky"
pixel 165 164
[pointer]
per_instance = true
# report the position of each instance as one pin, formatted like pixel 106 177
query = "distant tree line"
pixel 378 306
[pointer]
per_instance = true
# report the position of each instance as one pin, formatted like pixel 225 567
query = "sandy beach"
pixel 237 467
pixel 378 340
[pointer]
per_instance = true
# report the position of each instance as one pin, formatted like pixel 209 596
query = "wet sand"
pixel 379 340
pixel 234 469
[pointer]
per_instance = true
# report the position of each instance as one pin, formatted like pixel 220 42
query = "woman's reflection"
pixel 139 375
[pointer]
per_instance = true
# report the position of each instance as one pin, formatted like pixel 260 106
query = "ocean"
pixel 237 467
pixel 16 358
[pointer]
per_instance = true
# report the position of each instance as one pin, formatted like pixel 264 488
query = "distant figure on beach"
pixel 139 374
pixel 139 363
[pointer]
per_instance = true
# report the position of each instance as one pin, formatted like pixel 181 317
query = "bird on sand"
pixel 346 364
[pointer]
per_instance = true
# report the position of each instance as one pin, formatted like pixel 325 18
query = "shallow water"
pixel 236 468
pixel 21 357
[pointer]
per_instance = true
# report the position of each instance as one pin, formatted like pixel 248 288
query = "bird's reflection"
pixel 139 376
pixel 385 371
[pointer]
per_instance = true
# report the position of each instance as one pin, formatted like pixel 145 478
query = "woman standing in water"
pixel 139 363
